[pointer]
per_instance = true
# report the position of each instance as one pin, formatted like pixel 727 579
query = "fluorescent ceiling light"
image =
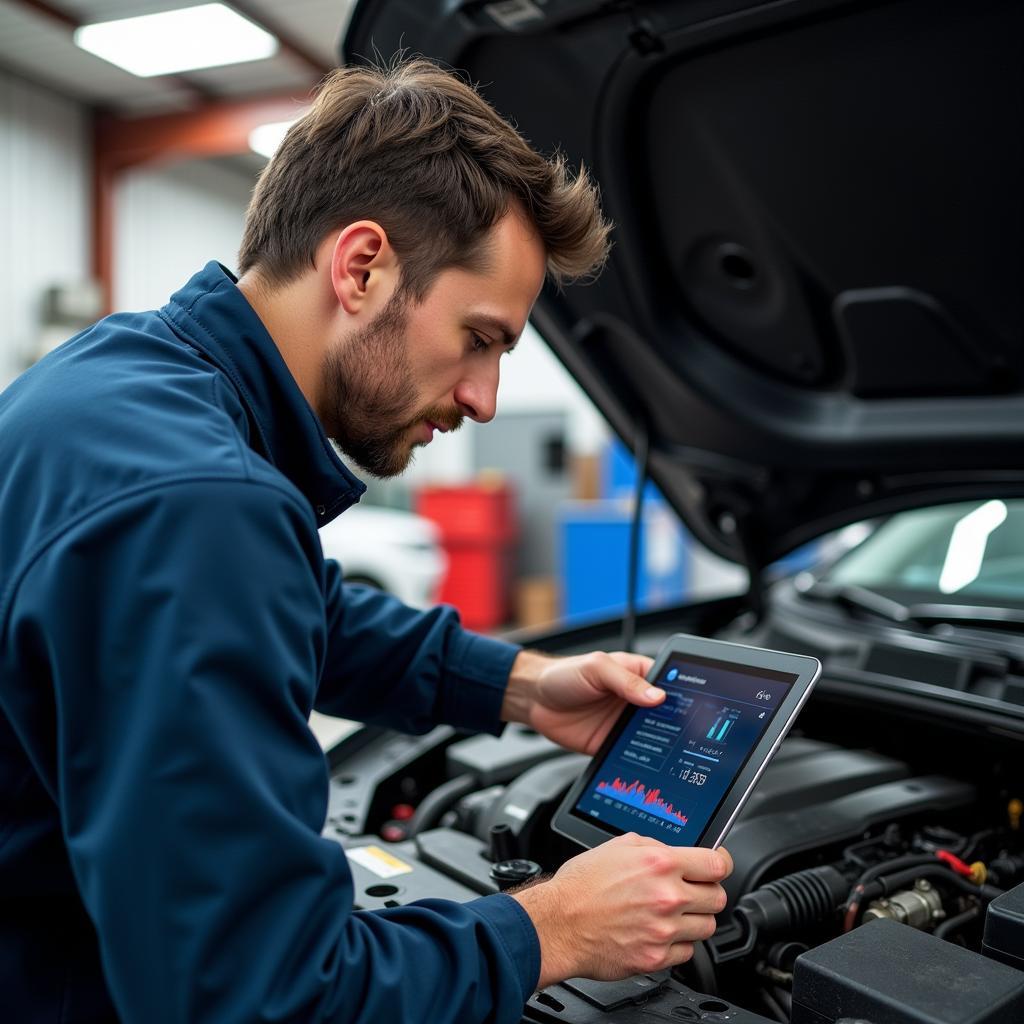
pixel 967 546
pixel 267 137
pixel 182 40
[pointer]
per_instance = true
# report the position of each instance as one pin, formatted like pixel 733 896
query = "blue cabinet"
pixel 594 557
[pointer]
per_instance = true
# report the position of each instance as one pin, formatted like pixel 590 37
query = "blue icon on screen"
pixel 672 673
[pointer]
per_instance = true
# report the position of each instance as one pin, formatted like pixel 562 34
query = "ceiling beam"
pixel 289 44
pixel 51 12
pixel 218 128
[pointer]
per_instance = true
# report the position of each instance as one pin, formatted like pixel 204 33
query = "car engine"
pixel 840 838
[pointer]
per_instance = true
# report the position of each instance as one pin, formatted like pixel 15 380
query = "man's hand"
pixel 575 701
pixel 630 906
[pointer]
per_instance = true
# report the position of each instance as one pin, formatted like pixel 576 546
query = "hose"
pixel 641 457
pixel 955 923
pixel 773 1005
pixel 439 800
pixel 704 970
pixel 886 885
pixel 785 999
pixel 894 865
pixel 802 899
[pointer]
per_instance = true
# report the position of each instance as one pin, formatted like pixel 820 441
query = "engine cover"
pixel 814 795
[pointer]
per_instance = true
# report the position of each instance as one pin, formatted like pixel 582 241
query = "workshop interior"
pixel 788 414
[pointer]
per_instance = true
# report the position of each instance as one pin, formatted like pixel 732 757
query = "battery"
pixel 1004 928
pixel 886 971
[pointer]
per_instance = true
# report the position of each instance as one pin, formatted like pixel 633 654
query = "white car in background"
pixel 398 552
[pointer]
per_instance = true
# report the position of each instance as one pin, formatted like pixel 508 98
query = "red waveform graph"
pixel 637 795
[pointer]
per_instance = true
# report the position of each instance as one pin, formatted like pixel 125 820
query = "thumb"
pixel 618 674
pixel 639 664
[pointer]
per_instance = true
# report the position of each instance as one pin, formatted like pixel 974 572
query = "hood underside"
pixel 813 305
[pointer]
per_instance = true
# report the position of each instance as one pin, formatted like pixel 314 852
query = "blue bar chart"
pixel 720 728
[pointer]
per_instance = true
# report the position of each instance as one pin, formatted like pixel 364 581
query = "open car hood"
pixel 813 305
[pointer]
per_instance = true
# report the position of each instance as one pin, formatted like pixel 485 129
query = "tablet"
pixel 681 771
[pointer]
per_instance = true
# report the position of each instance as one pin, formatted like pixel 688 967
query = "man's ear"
pixel 364 267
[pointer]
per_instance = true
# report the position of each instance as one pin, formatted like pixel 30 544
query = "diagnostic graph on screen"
pixel 636 795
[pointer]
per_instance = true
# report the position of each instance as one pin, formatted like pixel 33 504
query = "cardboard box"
pixel 536 601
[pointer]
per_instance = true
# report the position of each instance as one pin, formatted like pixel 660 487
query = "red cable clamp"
pixel 959 866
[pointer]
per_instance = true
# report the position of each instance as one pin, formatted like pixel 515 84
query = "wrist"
pixel 521 690
pixel 541 903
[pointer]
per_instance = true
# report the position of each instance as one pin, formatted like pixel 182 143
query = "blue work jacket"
pixel 167 623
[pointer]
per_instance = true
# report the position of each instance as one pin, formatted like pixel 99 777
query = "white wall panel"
pixel 168 223
pixel 533 380
pixel 44 209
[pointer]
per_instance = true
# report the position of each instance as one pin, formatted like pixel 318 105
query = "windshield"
pixel 967 552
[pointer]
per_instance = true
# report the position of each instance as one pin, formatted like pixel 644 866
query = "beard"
pixel 370 396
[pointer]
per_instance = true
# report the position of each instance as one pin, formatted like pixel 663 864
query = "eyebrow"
pixel 498 326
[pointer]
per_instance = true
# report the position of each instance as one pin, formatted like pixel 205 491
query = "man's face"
pixel 420 367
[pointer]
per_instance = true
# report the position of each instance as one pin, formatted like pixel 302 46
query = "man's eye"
pixel 479 344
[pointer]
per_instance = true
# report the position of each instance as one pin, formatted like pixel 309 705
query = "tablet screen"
pixel 671 767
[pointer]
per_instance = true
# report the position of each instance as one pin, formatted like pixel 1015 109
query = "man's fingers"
pixel 697 864
pixel 705 898
pixel 638 664
pixel 727 857
pixel 692 863
pixel 696 928
pixel 679 953
pixel 631 686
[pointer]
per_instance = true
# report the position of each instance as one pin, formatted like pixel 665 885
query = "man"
pixel 168 620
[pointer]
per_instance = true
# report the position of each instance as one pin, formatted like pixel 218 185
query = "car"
pixel 811 318
pixel 388 549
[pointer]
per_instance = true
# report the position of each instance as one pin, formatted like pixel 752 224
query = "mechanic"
pixel 169 621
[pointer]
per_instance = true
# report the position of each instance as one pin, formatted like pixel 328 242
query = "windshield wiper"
pixel 980 615
pixel 861 599
pixel 921 614
pixel 949 622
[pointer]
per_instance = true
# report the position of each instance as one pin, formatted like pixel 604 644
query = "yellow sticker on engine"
pixel 380 862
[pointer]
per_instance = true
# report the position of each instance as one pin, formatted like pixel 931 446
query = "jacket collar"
pixel 216 318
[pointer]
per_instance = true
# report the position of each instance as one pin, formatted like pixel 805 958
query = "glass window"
pixel 971 550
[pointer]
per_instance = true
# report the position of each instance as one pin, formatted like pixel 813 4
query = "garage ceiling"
pixel 36 43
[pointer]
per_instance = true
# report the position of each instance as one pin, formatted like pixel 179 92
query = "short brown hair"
pixel 418 150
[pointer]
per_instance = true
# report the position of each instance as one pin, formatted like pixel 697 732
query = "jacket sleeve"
pixel 389 664
pixel 183 632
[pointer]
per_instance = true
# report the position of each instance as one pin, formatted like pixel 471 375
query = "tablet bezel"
pixel 806 670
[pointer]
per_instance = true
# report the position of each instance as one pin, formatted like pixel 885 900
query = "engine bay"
pixel 885 831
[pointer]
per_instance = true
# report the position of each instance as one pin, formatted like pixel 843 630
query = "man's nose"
pixel 477 395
